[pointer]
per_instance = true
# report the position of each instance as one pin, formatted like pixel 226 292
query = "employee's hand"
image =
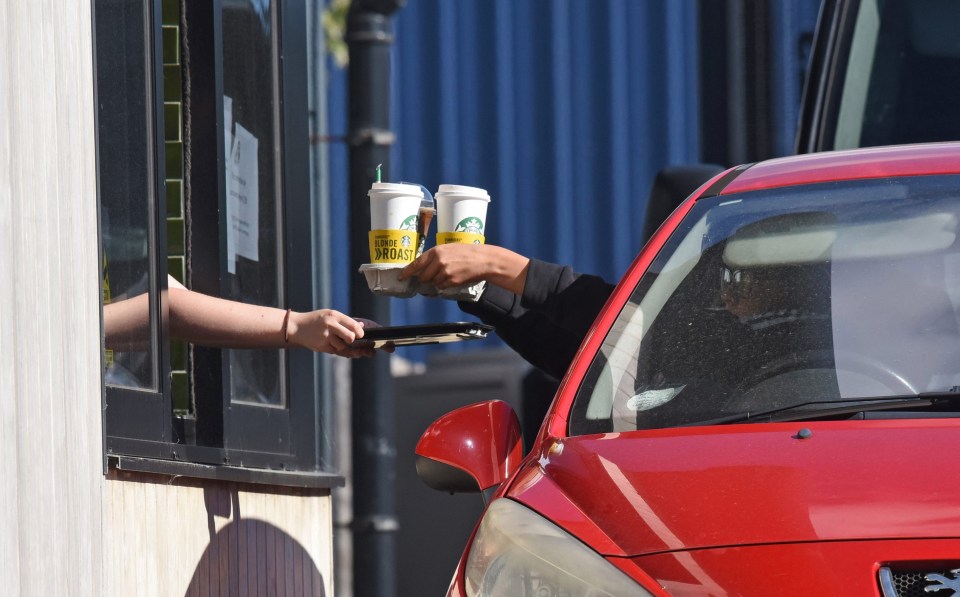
pixel 446 266
pixel 458 264
pixel 330 331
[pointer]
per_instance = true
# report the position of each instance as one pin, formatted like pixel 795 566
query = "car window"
pixel 776 298
pixel 901 75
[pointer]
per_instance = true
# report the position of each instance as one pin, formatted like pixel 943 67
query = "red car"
pixel 769 403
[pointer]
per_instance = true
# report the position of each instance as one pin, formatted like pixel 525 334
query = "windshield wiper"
pixel 796 412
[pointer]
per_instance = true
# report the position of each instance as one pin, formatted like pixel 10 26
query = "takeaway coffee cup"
pixel 461 214
pixel 394 213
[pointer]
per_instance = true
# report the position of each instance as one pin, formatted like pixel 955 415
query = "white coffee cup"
pixel 461 213
pixel 394 206
pixel 394 215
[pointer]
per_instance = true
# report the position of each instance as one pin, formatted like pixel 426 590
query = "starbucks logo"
pixel 409 224
pixel 405 241
pixel 473 225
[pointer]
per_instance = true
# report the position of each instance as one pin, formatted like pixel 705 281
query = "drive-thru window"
pixel 203 177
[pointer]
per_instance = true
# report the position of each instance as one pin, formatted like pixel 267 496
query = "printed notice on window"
pixel 227 124
pixel 228 149
pixel 243 198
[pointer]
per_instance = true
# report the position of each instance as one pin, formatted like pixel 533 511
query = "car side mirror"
pixel 471 449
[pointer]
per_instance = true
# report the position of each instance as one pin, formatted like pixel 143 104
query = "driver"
pixel 761 298
pixel 784 316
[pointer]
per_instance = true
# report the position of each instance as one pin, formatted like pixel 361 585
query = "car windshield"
pixel 771 299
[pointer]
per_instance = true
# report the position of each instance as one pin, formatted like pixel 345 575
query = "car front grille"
pixel 919 583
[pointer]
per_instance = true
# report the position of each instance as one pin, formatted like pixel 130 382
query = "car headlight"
pixel 518 553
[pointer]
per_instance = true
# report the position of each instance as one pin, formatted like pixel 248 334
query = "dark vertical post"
pixel 369 37
pixel 203 192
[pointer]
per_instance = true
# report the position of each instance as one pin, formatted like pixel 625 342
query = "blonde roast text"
pixel 393 246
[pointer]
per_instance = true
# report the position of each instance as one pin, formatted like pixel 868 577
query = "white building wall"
pixel 167 536
pixel 65 528
pixel 51 475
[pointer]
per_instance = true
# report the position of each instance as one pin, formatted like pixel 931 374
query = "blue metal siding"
pixel 790 38
pixel 564 110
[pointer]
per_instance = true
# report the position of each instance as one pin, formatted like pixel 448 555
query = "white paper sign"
pixel 243 191
pixel 231 209
pixel 227 124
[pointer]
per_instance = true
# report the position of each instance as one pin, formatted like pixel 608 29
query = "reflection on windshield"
pixel 826 292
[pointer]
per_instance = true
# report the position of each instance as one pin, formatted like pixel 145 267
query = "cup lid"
pixel 396 187
pixel 458 189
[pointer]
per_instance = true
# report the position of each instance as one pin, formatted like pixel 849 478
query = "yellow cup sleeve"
pixel 393 246
pixel 445 238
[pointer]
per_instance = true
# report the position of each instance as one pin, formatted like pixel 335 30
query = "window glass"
pixel 902 73
pixel 788 298
pixel 254 233
pixel 863 49
pixel 124 119
pixel 161 204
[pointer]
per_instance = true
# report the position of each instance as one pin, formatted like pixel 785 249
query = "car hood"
pixel 803 569
pixel 653 491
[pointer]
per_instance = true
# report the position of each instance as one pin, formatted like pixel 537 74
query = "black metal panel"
pixel 822 62
pixel 204 194
pixel 121 28
pixel 714 124
pixel 299 260
pixel 228 473
pixel 135 414
pixel 287 434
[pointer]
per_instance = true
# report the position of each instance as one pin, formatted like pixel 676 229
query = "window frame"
pixel 136 415
pixel 228 440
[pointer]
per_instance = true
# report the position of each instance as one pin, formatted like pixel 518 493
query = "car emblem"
pixel 909 582
pixel 942 582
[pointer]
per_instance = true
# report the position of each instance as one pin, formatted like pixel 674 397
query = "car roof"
pixel 856 164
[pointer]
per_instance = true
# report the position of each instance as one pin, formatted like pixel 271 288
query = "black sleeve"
pixel 571 300
pixel 547 324
pixel 540 341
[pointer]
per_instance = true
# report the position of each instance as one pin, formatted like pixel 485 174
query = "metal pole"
pixel 369 37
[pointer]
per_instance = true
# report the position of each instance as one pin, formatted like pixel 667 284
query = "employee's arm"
pixel 217 322
pixel 222 323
